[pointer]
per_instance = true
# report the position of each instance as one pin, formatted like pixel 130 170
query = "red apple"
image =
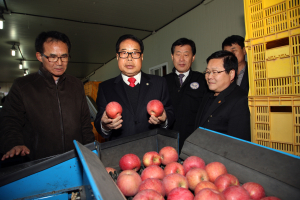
pixel 130 161
pixel 172 181
pixel 226 180
pixel 214 170
pixel 109 169
pixel 174 167
pixel 209 194
pixel 270 198
pixel 151 158
pixel 255 190
pixel 195 176
pixel 155 107
pixel 113 109
pixel 193 162
pixel 168 154
pixel 153 171
pixel 148 195
pixel 129 182
pixel 180 194
pixel 204 184
pixel 154 184
pixel 236 193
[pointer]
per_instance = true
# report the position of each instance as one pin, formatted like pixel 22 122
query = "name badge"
pixel 194 85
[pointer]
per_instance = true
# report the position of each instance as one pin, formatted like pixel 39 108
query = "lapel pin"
pixel 219 102
pixel 147 83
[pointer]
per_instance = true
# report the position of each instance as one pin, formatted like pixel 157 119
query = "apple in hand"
pixel 236 193
pixel 193 162
pixel 113 109
pixel 209 194
pixel 174 168
pixel 172 181
pixel 226 180
pixel 204 184
pixel 195 176
pixel 168 154
pixel 153 171
pixel 155 107
pixel 214 170
pixel 130 161
pixel 148 195
pixel 180 194
pixel 151 158
pixel 129 182
pixel 153 184
pixel 255 190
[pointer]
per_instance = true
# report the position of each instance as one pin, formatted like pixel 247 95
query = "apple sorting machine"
pixel 82 171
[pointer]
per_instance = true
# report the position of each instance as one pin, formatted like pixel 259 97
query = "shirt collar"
pixel 185 73
pixel 137 78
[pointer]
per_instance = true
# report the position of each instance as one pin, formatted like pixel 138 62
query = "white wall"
pixel 207 25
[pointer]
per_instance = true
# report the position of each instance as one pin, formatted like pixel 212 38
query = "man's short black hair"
pixel 234 39
pixel 184 41
pixel 230 61
pixel 131 37
pixel 52 36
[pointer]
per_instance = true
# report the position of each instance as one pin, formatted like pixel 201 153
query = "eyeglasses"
pixel 214 72
pixel 134 55
pixel 54 58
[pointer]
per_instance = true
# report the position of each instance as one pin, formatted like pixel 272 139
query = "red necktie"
pixel 131 81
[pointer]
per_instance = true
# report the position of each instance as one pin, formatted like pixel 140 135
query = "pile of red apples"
pixel 162 177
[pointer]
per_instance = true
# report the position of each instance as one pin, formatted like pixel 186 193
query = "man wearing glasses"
pixel 45 111
pixel 226 109
pixel 133 89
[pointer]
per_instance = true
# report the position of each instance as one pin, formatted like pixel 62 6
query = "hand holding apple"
pixel 155 108
pixel 109 124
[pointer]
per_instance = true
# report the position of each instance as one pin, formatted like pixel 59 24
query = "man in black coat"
pixel 236 45
pixel 226 109
pixel 133 89
pixel 45 111
pixel 186 87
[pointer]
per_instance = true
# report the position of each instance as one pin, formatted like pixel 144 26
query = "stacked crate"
pixel 91 89
pixel 273 47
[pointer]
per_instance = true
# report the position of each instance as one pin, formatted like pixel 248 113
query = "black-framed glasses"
pixel 54 58
pixel 214 72
pixel 134 55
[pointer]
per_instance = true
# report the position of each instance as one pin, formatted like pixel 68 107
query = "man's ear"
pixel 117 55
pixel 193 58
pixel 172 56
pixel 142 56
pixel 39 56
pixel 244 51
pixel 232 74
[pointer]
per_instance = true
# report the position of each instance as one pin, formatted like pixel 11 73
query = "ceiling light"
pixel 25 72
pixel 13 50
pixel 21 64
pixel 1 20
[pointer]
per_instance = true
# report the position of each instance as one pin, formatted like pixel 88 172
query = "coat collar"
pixel 221 98
pixel 48 76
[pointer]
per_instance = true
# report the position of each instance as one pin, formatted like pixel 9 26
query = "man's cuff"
pixel 104 131
pixel 165 124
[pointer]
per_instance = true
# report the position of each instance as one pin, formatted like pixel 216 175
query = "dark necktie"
pixel 131 81
pixel 180 78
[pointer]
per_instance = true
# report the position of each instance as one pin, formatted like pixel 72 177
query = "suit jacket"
pixel 151 87
pixel 228 113
pixel 186 100
pixel 245 81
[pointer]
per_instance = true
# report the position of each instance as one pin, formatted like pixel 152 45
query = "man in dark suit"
pixel 226 109
pixel 235 44
pixel 133 89
pixel 186 87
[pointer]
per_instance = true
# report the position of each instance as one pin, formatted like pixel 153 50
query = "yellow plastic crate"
pixel 275 122
pixel 91 89
pixel 270 17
